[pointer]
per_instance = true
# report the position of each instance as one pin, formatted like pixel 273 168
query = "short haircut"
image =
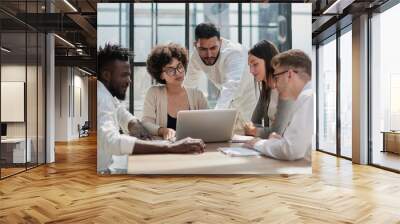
pixel 294 58
pixel 108 55
pixel 206 31
pixel 161 56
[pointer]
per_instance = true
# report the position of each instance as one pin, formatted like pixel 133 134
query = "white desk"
pixel 213 162
pixel 16 146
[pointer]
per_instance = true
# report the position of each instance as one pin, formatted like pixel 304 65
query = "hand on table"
pixel 250 144
pixel 187 145
pixel 249 129
pixel 166 133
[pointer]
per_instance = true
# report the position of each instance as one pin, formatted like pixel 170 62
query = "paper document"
pixel 241 138
pixel 238 151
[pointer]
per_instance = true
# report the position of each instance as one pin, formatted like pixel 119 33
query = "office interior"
pixel 48 90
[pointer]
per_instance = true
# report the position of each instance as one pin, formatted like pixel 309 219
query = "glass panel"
pixel 168 34
pixel 327 97
pixel 41 99
pixel 223 15
pixel 31 98
pixel 13 84
pixel 141 84
pixel 108 14
pixel 346 94
pixel 142 12
pixel 142 37
pixel 385 86
pixel 171 14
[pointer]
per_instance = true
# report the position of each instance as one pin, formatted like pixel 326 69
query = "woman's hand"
pixel 166 133
pixel 249 129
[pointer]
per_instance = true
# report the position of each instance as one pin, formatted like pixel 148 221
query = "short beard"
pixel 215 61
pixel 114 91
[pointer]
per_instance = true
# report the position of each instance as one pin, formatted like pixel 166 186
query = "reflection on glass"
pixel 346 94
pixel 14 147
pixel 327 97
pixel 385 85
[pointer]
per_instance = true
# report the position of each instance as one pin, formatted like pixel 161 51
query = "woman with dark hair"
pixel 270 109
pixel 167 65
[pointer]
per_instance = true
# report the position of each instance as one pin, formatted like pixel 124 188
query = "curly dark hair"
pixel 108 55
pixel 162 55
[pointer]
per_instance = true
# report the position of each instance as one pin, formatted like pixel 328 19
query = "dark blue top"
pixel 171 123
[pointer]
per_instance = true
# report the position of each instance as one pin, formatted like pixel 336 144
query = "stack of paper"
pixel 238 151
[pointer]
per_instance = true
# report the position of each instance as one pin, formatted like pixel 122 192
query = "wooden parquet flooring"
pixel 70 191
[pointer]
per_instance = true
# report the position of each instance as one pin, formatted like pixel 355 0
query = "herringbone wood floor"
pixel 70 191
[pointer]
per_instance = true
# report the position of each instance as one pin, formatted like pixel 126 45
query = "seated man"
pixel 113 80
pixel 292 79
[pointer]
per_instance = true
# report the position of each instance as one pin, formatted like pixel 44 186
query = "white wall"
pixel 70 83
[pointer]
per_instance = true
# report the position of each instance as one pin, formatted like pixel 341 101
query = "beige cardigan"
pixel 155 113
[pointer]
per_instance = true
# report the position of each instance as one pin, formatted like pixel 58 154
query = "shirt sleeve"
pixel 114 142
pixel 234 69
pixel 297 138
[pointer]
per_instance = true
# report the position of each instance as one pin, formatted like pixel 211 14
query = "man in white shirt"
pixel 225 65
pixel 292 75
pixel 113 81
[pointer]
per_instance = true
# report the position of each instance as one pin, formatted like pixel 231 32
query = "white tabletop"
pixel 213 162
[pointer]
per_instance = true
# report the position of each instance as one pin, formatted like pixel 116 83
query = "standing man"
pixel 225 64
pixel 113 81
pixel 292 76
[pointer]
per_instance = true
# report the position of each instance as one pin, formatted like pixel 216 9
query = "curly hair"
pixel 109 54
pixel 161 56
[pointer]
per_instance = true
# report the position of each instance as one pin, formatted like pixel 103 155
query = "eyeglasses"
pixel 275 75
pixel 172 71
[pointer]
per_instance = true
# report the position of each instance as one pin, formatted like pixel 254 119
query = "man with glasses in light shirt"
pixel 224 62
pixel 292 76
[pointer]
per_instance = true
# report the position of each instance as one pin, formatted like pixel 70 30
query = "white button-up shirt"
pixel 230 74
pixel 296 140
pixel 112 117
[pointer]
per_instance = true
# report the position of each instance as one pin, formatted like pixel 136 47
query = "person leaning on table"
pixel 292 75
pixel 113 81
pixel 167 65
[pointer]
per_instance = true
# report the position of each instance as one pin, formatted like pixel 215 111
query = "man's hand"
pixel 250 144
pixel 249 129
pixel 137 130
pixel 187 145
pixel 166 133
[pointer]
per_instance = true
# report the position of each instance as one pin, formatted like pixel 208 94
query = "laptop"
pixel 208 125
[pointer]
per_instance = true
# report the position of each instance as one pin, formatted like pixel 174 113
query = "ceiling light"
pixel 5 50
pixel 64 40
pixel 71 6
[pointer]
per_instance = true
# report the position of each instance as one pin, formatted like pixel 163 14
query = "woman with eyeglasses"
pixel 167 65
pixel 273 111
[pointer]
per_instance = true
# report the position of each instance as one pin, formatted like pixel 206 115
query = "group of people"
pixel 281 119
